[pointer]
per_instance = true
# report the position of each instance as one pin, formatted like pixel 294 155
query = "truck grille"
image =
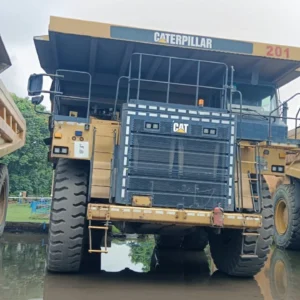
pixel 191 169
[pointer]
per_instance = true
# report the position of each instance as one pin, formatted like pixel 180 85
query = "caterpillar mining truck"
pixel 286 198
pixel 163 133
pixel 12 133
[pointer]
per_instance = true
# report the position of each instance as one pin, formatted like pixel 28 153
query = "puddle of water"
pixel 22 267
pixel 117 260
pixel 132 270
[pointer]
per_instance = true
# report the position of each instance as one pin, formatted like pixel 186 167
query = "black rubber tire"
pixel 196 240
pixel 291 238
pixel 68 215
pixel 4 190
pixel 284 275
pixel 171 242
pixel 226 248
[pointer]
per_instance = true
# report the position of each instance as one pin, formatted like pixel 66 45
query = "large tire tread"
pixel 68 215
pixel 227 258
pixel 291 239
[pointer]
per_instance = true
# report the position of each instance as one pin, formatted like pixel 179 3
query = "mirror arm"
pixel 41 112
pixel 47 92
pixel 35 77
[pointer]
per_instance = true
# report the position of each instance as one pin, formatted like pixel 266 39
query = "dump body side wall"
pixel 12 124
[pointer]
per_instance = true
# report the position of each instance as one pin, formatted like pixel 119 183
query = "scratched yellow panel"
pixel 100 192
pixel 276 51
pixel 101 177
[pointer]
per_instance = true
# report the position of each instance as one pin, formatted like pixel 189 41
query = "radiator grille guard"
pixel 182 163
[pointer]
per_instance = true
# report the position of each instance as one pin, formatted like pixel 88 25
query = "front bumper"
pixel 107 212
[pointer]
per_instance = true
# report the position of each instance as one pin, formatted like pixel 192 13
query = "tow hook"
pixel 218 216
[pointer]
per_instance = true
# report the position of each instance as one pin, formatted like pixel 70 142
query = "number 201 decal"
pixel 276 51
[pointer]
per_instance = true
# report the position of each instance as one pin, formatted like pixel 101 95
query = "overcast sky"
pixel 269 21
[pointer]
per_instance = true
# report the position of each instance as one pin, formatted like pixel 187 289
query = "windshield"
pixel 261 99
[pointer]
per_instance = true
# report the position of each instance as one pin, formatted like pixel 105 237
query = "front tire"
pixel 4 188
pixel 287 214
pixel 226 248
pixel 68 215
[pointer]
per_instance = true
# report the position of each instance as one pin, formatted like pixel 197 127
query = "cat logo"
pixel 180 127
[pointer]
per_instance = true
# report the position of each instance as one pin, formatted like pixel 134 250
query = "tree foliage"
pixel 141 253
pixel 29 169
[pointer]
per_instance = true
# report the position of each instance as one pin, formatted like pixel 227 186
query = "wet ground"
pixel 133 271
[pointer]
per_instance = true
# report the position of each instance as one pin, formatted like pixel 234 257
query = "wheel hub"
pixel 281 217
pixel 280 279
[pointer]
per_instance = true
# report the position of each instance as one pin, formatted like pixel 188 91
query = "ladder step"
pixel 249 162
pixel 98 251
pixel 248 256
pixel 251 234
pixel 98 227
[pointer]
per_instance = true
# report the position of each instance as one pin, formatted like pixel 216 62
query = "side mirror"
pixel 35 84
pixel 37 100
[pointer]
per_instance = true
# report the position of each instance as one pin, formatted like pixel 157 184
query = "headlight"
pixel 60 150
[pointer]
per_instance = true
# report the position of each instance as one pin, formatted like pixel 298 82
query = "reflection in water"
pixel 176 275
pixel 134 270
pixel 139 254
pixel 22 265
pixel 285 275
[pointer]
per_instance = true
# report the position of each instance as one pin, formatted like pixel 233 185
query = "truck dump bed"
pixel 12 123
pixel 105 51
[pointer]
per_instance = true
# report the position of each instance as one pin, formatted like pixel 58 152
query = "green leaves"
pixel 141 252
pixel 29 169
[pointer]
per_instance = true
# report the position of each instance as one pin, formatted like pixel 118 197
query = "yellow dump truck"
pixel 12 133
pixel 163 133
pixel 286 198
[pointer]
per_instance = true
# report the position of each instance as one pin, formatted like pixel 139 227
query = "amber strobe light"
pixel 201 102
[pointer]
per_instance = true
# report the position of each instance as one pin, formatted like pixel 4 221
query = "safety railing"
pixel 226 87
pixel 194 83
pixel 58 95
pixel 284 116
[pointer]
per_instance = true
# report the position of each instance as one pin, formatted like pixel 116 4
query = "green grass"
pixel 22 213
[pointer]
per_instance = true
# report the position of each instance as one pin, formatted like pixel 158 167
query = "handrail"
pixel 139 78
pixel 275 117
pixel 117 93
pixel 296 123
pixel 57 89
